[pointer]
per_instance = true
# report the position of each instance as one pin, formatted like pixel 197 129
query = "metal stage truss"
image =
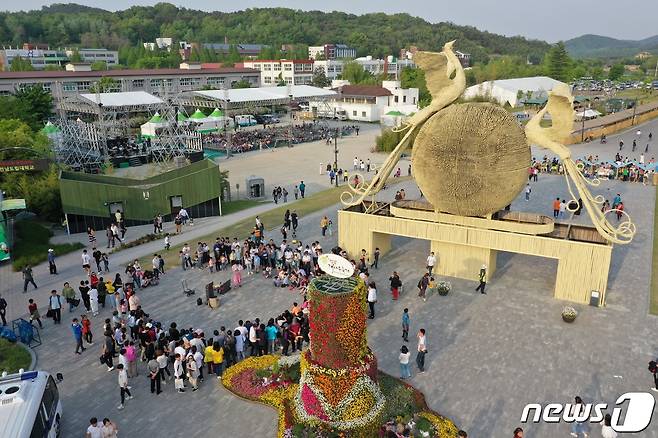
pixel 97 128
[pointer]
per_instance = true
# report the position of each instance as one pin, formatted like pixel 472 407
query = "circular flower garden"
pixel 334 389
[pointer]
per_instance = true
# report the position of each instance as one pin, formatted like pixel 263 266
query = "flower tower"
pixel 338 385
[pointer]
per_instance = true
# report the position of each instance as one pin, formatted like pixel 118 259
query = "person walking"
pixel 372 299
pixel 94 430
pixel 483 280
pixel 55 306
pixel 556 207
pixel 302 189
pixel 91 235
pixel 192 372
pixel 375 263
pixel 606 427
pixel 431 261
pixel 422 286
pixel 396 284
pixel 178 373
pixel 578 427
pixel 108 351
pixel 653 369
pixel 110 430
pixel 3 310
pixel 33 310
pixel 406 321
pixel 69 296
pixel 324 223
pixel 528 190
pixel 422 350
pixel 236 277
pixel 76 328
pixel 86 262
pixel 28 278
pixel 51 262
pixel 86 329
pixel 404 362
pixel 124 389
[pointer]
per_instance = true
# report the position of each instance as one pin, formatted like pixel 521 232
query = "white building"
pixel 331 51
pixel 160 43
pixel 506 91
pixel 41 57
pixel 393 67
pixel 292 72
pixel 371 103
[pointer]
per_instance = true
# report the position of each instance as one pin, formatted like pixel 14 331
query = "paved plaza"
pixel 488 355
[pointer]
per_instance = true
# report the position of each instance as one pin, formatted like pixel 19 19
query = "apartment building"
pixel 331 51
pixel 156 81
pixel 290 71
pixel 248 50
pixel 41 56
pixel 391 66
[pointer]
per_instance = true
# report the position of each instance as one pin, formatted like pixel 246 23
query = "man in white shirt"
pixel 372 299
pixel 86 261
pixel 183 215
pixel 94 430
pixel 123 385
pixel 431 261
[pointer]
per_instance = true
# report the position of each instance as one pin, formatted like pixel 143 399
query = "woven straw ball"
pixel 471 159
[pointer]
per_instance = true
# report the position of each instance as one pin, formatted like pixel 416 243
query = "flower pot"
pixel 443 292
pixel 568 318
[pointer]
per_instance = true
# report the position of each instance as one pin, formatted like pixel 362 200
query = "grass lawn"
pixel 235 206
pixel 13 357
pixel 32 244
pixel 642 96
pixel 653 295
pixel 243 228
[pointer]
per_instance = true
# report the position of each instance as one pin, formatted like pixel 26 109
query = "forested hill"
pixel 597 46
pixel 376 34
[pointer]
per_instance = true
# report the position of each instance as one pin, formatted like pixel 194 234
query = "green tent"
pixel 156 118
pixel 4 244
pixel 197 115
pixel 217 113
pixel 50 129
pixel 395 113
pixel 181 117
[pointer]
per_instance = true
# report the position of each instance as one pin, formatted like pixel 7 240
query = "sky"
pixel 547 20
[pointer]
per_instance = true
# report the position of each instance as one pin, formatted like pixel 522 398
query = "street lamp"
pixel 336 158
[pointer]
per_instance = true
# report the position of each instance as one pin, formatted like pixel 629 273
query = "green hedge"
pixel 13 357
pixel 32 244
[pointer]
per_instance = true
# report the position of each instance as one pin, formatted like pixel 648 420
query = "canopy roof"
pixel 50 129
pixel 198 115
pixel 267 94
pixel 156 118
pixel 588 113
pixel 216 113
pixel 181 117
pixel 394 113
pixel 127 98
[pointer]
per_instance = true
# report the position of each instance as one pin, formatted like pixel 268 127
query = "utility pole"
pixel 336 157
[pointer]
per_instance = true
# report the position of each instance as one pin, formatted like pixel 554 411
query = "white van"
pixel 29 405
pixel 245 120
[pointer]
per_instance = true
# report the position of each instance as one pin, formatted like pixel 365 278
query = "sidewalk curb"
pixel 33 355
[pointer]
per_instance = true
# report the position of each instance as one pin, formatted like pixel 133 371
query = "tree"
pixel 558 63
pixel 75 56
pixel 320 78
pixel 20 64
pixel 280 82
pixel 105 85
pixel 242 83
pixel 616 72
pixel 415 78
pixel 99 65
pixel 354 72
pixel 36 106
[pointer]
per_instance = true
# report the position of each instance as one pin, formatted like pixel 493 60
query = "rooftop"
pixel 363 90
pixel 119 73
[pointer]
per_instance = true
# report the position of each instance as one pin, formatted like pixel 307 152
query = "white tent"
pixel 266 94
pixel 506 91
pixel 588 114
pixel 149 128
pixel 126 98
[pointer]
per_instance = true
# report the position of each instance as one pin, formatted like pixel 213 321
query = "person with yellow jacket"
pixel 217 359
pixel 207 356
pixel 483 279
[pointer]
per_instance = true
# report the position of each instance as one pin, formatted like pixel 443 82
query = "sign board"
pixel 336 266
pixel 23 165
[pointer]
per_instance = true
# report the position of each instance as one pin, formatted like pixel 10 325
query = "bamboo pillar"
pixel 461 261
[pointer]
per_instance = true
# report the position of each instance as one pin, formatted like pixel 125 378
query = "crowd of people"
pixel 268 137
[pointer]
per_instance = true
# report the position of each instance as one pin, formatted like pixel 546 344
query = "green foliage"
pixel 99 65
pixel 20 64
pixel 387 140
pixel 354 72
pixel 400 400
pixel 242 83
pixel 105 85
pixel 13 357
pixel 32 244
pixel 374 34
pixel 616 72
pixel 75 56
pixel 415 78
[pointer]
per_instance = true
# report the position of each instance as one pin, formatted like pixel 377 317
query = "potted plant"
pixel 569 314
pixel 443 288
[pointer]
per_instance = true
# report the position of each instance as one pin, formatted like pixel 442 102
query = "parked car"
pixel 245 120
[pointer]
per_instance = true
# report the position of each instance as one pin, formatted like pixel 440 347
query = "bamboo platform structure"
pixel 463 244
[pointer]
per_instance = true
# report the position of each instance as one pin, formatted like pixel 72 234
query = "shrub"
pixel 32 244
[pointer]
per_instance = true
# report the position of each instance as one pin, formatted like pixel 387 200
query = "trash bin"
pixel 595 298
